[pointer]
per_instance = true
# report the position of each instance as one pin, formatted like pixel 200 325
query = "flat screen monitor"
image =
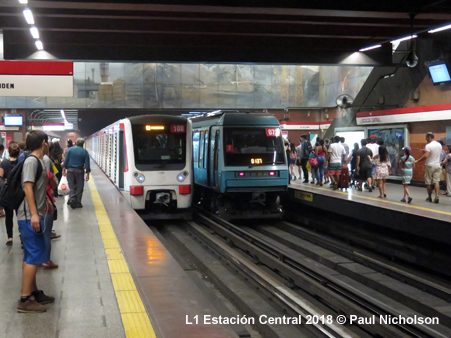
pixel 13 121
pixel 439 73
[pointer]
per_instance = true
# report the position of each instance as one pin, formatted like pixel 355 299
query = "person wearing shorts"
pixel 431 154
pixel 364 165
pixel 30 216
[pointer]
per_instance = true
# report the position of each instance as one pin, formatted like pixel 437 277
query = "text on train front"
pixel 253 146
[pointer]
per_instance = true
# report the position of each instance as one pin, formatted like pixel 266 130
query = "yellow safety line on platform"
pixel 134 316
pixel 382 200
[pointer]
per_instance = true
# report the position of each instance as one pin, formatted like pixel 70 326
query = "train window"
pixel 244 144
pixel 196 136
pixel 201 149
pixel 206 149
pixel 158 149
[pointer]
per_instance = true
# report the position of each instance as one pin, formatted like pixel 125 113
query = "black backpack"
pixel 11 190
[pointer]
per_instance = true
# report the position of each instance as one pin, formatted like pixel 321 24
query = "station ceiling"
pixel 264 31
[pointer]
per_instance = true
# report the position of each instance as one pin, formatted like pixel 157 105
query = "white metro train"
pixel 149 159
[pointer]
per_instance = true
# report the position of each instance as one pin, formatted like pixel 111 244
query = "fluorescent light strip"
pixel 23 1
pixel 440 29
pixel 28 16
pixel 34 32
pixel 403 39
pixel 369 48
pixel 39 45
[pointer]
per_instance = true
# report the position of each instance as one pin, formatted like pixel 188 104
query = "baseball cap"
pixel 373 136
pixel 407 148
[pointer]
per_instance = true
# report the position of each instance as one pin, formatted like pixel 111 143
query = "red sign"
pixel 178 128
pixel 272 132
pixel 229 148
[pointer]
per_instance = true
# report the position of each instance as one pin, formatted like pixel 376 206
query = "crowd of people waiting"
pixel 370 164
pixel 43 165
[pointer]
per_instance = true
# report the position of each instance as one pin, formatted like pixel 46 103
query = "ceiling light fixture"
pixel 369 48
pixel 439 29
pixel 28 16
pixel 39 45
pixel 23 1
pixel 34 32
pixel 404 39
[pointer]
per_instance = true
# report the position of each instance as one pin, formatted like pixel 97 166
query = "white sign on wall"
pixel 36 78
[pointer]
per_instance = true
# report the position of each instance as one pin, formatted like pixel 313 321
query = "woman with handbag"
pixel 320 153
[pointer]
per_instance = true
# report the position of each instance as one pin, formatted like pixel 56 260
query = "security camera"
pixel 286 109
pixel 412 60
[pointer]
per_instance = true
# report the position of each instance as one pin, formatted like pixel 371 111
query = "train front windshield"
pixel 253 146
pixel 158 147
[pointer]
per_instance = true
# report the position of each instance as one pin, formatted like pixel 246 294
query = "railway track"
pixel 303 275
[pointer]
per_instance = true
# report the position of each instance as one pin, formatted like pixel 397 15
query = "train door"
pixel 214 158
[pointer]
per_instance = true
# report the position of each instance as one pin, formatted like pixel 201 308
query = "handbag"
pixel 313 161
pixel 63 187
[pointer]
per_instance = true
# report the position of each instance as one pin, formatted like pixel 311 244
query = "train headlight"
pixel 181 177
pixel 139 177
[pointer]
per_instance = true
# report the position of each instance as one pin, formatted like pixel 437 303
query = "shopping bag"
pixel 63 187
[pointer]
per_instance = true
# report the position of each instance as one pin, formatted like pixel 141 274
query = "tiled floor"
pixel 85 303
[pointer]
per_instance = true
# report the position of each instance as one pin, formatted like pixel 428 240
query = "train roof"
pixel 156 118
pixel 236 119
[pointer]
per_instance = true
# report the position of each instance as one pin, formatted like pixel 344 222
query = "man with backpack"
pixel 30 215
pixel 306 149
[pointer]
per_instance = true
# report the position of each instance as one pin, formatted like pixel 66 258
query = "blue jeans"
pixel 319 169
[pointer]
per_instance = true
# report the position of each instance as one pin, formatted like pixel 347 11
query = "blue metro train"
pixel 240 164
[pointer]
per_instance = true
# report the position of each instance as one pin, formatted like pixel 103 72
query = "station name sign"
pixel 37 78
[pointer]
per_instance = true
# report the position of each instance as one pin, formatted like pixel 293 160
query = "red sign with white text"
pixel 178 128
pixel 272 132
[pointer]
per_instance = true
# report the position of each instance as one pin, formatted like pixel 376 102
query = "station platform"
pixel 115 278
pixel 420 218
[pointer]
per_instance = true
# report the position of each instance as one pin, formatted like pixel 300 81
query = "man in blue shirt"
pixel 75 164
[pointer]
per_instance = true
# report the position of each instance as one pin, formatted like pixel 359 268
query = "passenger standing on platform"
pixel 304 156
pixel 337 157
pixel 298 158
pixel 320 152
pixel 75 164
pixel 342 142
pixel 353 159
pixel 374 147
pixel 30 217
pixel 69 144
pixel 292 161
pixel 431 154
pixel 56 155
pixel 383 165
pixel 326 168
pixel 51 184
pixel 5 169
pixel 364 165
pixel 447 162
pixel 407 165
